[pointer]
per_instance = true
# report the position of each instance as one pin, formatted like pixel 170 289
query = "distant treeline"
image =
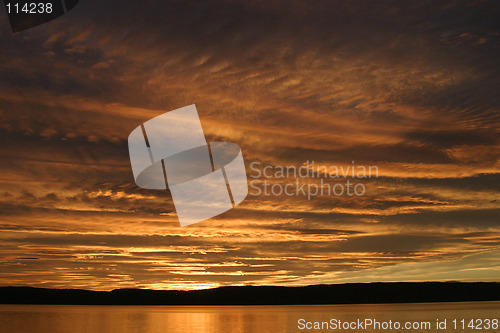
pixel 352 293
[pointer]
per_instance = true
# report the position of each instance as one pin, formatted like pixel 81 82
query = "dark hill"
pixel 401 292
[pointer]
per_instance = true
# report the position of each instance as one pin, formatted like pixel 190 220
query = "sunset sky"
pixel 412 87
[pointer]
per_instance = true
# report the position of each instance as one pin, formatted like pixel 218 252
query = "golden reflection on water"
pixel 222 319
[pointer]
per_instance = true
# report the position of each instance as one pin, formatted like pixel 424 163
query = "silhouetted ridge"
pixel 353 293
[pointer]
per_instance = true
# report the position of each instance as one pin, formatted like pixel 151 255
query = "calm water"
pixel 199 319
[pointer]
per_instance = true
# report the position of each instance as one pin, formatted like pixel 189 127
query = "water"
pixel 237 319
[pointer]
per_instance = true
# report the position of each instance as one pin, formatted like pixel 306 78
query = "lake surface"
pixel 248 319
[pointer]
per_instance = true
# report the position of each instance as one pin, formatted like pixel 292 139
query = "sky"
pixel 411 87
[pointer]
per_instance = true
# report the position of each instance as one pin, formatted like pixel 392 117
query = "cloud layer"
pixel 411 88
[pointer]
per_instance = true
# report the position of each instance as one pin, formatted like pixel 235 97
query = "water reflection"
pixel 236 319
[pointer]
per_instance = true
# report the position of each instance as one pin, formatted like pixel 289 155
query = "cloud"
pixel 410 88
